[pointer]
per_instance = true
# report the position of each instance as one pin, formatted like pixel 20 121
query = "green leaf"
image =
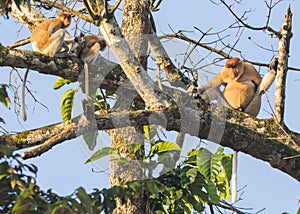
pixel 152 187
pixel 212 192
pixel 150 133
pixel 227 165
pixel 3 170
pixel 90 139
pixel 164 146
pixel 133 148
pixel 60 82
pixel 4 99
pixel 209 164
pixel 67 104
pixel 100 154
pixel 85 199
pixel 101 105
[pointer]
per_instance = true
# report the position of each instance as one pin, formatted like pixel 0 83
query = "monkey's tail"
pixel 234 177
pixel 24 115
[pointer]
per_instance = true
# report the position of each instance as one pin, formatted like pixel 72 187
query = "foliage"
pixel 67 105
pixel 201 178
pixel 4 99
pixel 189 186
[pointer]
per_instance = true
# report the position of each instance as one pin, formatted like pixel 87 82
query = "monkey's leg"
pixel 35 47
pixel 55 43
pixel 254 106
pixel 211 94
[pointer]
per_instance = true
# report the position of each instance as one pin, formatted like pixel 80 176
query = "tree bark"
pixel 283 58
pixel 135 26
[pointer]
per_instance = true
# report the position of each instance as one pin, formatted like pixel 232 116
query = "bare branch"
pixel 115 6
pixel 283 57
pixel 266 27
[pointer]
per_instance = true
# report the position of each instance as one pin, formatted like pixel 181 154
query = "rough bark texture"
pixel 135 25
pixel 283 57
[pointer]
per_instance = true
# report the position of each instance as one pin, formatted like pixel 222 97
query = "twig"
pixel 249 26
pixel 115 6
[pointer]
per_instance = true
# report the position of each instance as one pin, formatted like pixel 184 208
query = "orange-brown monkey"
pixel 48 37
pixel 241 80
pixel 243 89
pixel 92 45
pixel 87 47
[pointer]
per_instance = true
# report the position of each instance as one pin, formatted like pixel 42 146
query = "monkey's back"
pixel 41 33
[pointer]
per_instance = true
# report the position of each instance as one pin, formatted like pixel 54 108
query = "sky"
pixel 264 188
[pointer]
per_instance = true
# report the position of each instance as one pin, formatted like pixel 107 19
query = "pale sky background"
pixel 62 169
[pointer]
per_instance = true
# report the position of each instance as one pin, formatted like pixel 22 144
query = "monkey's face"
pixel 65 18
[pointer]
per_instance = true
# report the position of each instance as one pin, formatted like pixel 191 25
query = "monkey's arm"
pixel 215 82
pixel 54 26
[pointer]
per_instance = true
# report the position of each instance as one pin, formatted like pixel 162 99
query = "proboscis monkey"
pixel 243 89
pixel 87 48
pixel 240 80
pixel 48 37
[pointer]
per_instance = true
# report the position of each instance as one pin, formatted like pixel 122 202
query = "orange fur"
pixel 241 80
pixel 48 37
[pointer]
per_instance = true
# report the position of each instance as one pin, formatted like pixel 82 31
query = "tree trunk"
pixel 135 26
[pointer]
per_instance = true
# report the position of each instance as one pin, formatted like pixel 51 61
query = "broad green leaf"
pixel 85 199
pixel 191 174
pixel 67 104
pixel 209 164
pixel 164 146
pixel 223 185
pixel 90 139
pixel 100 154
pixel 4 99
pixel 227 165
pixel 167 161
pixel 150 133
pixel 60 82
pixel 212 192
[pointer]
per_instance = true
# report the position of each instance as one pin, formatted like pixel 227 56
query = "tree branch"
pixel 263 139
pixel 283 57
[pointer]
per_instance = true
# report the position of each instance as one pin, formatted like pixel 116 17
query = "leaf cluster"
pixel 203 177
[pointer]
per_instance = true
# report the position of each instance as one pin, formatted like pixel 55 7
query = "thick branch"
pixel 263 139
pixel 135 72
pixel 174 75
pixel 65 67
